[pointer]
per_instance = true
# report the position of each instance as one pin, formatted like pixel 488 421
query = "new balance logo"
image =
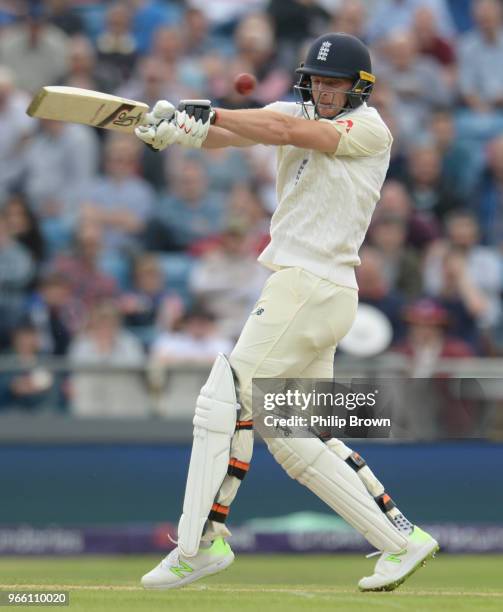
pixel 323 52
pixel 179 569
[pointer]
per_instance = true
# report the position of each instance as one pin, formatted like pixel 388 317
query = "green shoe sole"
pixel 394 585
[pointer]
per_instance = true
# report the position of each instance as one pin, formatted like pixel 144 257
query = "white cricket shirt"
pixel 326 200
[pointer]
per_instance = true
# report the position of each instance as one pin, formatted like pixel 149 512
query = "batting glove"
pixel 157 130
pixel 193 119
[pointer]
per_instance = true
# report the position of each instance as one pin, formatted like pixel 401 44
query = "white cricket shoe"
pixel 176 571
pixel 394 568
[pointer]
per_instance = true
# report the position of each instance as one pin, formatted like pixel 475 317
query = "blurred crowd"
pixel 111 253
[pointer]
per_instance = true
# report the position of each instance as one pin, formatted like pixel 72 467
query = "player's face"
pixel 329 95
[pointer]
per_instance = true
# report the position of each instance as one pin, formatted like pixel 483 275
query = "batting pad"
pixel 311 463
pixel 214 425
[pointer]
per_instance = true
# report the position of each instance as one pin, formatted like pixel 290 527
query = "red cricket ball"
pixel 245 83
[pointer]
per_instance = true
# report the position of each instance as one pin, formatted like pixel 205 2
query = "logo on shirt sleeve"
pixel 347 122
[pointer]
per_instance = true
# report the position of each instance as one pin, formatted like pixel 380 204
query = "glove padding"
pixel 193 120
pixel 187 126
pixel 157 130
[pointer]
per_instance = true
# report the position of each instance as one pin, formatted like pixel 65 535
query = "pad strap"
pixel 244 425
pixel 237 468
pixel 385 502
pixel 356 461
pixel 218 513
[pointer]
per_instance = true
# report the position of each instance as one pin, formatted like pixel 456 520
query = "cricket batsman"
pixel 333 152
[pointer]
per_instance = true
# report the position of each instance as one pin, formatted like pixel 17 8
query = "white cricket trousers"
pixel 292 332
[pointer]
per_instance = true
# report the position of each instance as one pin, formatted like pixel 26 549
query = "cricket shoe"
pixel 176 571
pixel 394 568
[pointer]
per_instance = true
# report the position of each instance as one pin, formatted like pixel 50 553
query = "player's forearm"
pixel 272 128
pixel 262 126
pixel 219 137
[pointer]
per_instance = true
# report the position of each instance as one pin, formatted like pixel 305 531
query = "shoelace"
pixel 374 554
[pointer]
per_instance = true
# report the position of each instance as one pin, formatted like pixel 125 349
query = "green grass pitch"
pixel 262 583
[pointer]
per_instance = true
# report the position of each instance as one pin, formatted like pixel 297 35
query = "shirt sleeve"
pixel 360 136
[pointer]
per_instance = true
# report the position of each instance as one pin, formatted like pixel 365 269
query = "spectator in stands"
pixel 85 71
pixel 254 40
pixel 390 16
pixel 466 277
pixel 116 45
pixel 15 127
pixel 429 409
pixel 427 338
pixel 105 344
pixel 396 201
pixel 415 79
pixel 51 310
pixel 168 46
pixel 120 200
pixel 221 73
pixel 431 43
pixel 351 17
pixel 34 50
pixel 295 21
pixel 376 290
pixel 61 160
pixel 385 100
pixel 480 56
pixel 225 168
pixel 431 194
pixel 489 200
pixel 223 15
pixel 188 212
pixel 64 16
pixel 402 267
pixel 195 340
pixel 262 162
pixel 246 207
pixel 196 36
pixel 153 80
pixel 150 15
pixel 27 385
pixel 149 305
pixel 16 273
pixel 460 162
pixel 24 227
pixel 82 268
pixel 227 281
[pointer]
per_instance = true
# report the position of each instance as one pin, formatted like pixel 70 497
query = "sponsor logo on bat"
pixel 121 117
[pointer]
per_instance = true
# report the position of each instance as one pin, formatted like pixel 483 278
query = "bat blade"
pixel 76 105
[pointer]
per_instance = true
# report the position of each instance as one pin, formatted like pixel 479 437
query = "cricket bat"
pixel 95 108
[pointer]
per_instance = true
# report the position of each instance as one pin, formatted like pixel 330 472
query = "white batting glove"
pixel 193 120
pixel 157 129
